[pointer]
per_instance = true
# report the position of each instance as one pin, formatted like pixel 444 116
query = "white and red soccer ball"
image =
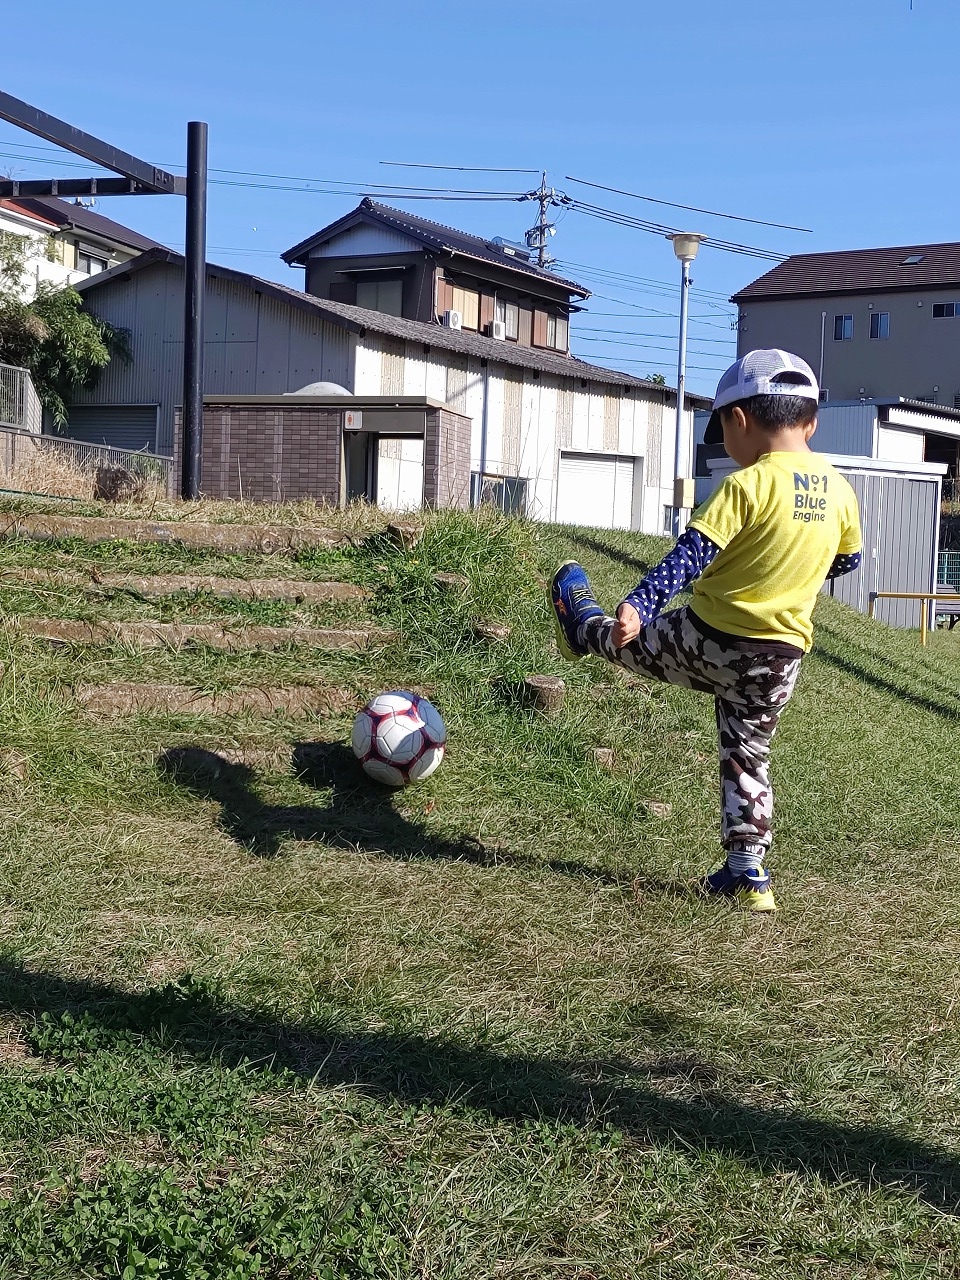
pixel 399 738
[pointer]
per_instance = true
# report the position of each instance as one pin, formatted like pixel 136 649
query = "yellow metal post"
pixel 923 622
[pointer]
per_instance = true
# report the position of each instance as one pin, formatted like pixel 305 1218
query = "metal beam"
pixel 11 188
pixel 147 177
pixel 194 291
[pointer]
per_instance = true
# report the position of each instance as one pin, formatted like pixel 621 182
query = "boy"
pixel 758 551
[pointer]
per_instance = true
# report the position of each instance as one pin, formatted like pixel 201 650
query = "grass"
pixel 276 1022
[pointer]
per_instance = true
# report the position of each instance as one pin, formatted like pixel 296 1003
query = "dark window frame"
pixel 841 324
pixel 880 320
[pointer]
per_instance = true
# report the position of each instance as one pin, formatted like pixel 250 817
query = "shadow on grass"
pixel 361 816
pixel 874 669
pixel 640 567
pixel 415 1069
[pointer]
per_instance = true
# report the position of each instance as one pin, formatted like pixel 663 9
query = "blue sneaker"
pixel 573 604
pixel 750 889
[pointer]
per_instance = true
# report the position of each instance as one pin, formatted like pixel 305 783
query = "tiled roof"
pixel 436 236
pixel 65 214
pixel 859 270
pixel 360 320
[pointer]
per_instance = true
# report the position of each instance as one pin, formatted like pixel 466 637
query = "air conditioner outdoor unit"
pixel 452 319
pixel 497 329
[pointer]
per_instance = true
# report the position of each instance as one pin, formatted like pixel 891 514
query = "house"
pixel 551 436
pixel 66 241
pixel 890 429
pixel 397 263
pixel 875 323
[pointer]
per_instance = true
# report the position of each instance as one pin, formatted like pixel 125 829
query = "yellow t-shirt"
pixel 779 524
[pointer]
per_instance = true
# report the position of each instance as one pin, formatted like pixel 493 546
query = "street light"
pixel 685 246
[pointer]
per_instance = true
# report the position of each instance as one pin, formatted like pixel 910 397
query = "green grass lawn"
pixel 277 1022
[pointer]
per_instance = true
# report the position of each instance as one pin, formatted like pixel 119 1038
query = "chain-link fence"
pixel 948 569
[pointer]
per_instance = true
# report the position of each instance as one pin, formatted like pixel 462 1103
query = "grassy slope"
pixel 477 1029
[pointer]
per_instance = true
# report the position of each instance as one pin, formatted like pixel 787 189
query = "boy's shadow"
pixel 361 815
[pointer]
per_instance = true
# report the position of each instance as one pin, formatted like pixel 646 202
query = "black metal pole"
pixel 194 286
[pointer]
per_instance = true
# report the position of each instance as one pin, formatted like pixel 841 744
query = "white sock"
pixel 748 857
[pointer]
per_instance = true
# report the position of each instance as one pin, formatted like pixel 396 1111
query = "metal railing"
pixel 19 403
pixel 20 449
pixel 923 596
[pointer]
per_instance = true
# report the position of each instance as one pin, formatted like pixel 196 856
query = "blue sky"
pixel 841 117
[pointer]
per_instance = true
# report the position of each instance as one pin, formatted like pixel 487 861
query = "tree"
pixel 658 378
pixel 65 347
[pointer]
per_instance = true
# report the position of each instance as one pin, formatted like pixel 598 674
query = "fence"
pixel 19 403
pixel 948 568
pixel 24 452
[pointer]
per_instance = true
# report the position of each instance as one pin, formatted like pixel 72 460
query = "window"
pixel 508 313
pixel 467 302
pixel 385 296
pixel 842 328
pixel 880 324
pixel 507 493
pixel 912 261
pixel 557 331
pixel 91 263
pixel 946 310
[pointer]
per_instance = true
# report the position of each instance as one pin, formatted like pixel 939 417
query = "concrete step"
pixel 231 538
pixel 127 698
pixel 176 635
pixel 157 586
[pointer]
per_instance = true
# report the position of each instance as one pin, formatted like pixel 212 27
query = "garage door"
pixel 595 491
pixel 122 426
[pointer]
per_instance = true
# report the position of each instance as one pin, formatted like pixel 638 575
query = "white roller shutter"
pixel 400 473
pixel 595 490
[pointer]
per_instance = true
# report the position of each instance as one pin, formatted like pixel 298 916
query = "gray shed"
pixel 900 517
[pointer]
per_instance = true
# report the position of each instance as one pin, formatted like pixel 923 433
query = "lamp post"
pixel 685 246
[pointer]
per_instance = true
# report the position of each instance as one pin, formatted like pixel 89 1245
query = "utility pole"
pixel 537 236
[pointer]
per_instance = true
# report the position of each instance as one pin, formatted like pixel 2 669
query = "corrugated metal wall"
pixel 393 365
pixel 363 240
pixel 512 420
pixel 846 428
pixel 253 344
pixel 531 416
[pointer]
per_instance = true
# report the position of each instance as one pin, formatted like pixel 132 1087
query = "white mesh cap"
pixel 761 373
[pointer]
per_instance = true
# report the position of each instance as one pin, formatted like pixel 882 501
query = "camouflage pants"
pixel 750 685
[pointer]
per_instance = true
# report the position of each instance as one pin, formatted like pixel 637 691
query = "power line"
pixel 460 168
pixel 659 228
pixel 623 275
pixel 649 346
pixel 661 364
pixel 632 333
pixel 692 208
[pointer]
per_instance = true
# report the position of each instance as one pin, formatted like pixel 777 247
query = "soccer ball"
pixel 399 738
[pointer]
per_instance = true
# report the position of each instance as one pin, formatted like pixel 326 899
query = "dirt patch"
pixel 176 635
pixel 166 584
pixel 125 699
pixel 231 538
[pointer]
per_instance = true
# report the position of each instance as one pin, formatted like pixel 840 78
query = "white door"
pixel 400 473
pixel 596 491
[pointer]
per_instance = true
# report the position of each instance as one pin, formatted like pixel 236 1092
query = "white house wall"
pixel 254 344
pixel 531 417
pixel 365 239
